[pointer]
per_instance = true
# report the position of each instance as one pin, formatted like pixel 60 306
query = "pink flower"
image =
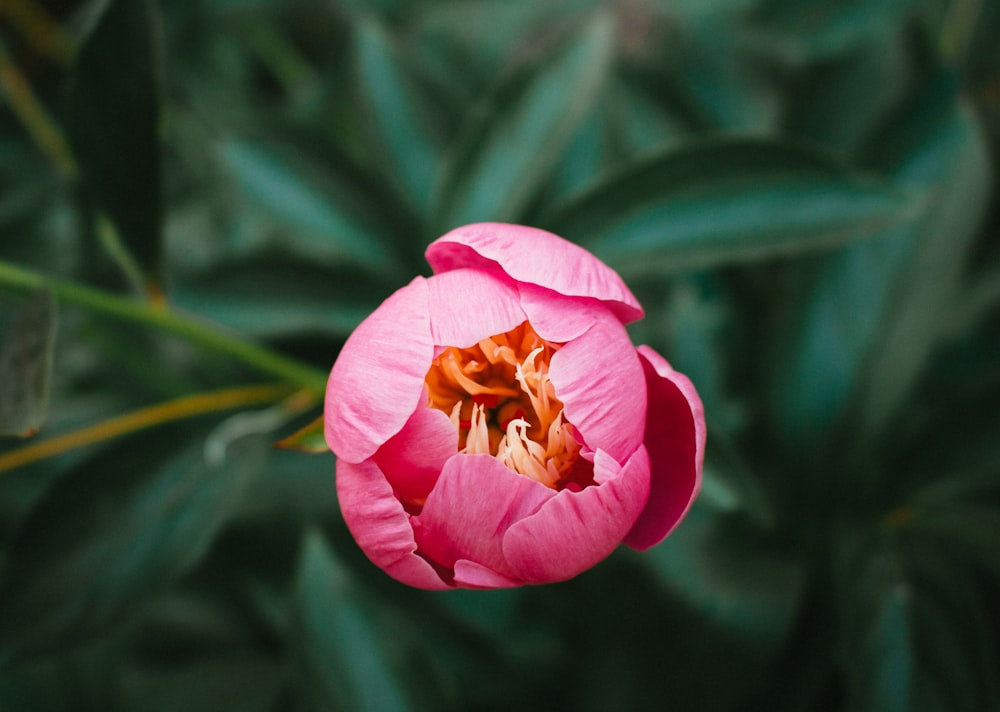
pixel 494 425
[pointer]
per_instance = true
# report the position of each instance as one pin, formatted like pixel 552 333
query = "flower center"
pixel 502 402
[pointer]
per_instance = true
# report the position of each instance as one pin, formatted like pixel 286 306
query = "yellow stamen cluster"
pixel 502 402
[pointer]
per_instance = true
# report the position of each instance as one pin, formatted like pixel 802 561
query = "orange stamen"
pixel 499 396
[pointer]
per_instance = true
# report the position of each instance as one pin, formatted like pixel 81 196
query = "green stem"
pixel 210 337
pixel 112 243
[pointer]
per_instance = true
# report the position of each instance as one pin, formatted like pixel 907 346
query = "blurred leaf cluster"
pixel 200 200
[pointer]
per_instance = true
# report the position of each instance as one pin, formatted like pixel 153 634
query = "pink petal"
pixel 675 439
pixel 469 574
pixel 467 513
pixel 413 457
pixel 534 256
pixel 599 381
pixel 556 317
pixel 380 526
pixel 378 379
pixel 575 530
pixel 469 305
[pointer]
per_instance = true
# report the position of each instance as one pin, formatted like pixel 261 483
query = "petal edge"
pixel 378 377
pixel 380 526
pixel 675 438
pixel 582 528
pixel 533 256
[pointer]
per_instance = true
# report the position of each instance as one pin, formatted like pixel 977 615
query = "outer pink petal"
pixel 575 530
pixel 599 381
pixel 467 513
pixel 413 457
pixel 380 526
pixel 469 305
pixel 675 439
pixel 469 574
pixel 378 378
pixel 534 256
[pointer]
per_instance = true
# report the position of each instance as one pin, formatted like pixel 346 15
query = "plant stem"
pixel 157 315
pixel 110 240
pixel 143 418
pixel 33 115
pixel 39 29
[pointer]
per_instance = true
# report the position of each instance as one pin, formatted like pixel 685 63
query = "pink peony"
pixel 494 425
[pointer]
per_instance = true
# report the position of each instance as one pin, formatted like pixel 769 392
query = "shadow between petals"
pixel 573 531
pixel 380 526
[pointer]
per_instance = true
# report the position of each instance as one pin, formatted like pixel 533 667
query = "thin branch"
pixel 144 418
pixel 158 316
pixel 34 116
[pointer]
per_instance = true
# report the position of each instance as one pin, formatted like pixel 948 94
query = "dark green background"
pixel 801 193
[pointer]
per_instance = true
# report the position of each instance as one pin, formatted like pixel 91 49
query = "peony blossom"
pixel 494 425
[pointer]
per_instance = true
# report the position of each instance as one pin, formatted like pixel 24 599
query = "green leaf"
pixel 399 114
pixel 815 29
pixel 641 121
pixel 583 159
pixel 871 79
pixel 467 44
pixel 294 487
pixel 727 200
pixel 955 645
pixel 718 78
pixel 913 621
pixel 858 327
pixel 29 187
pixel 915 631
pixel 115 530
pixel 114 122
pixel 310 439
pixel 828 321
pixel 729 485
pixel 325 216
pixel 275 297
pixel 969 530
pixel 980 301
pixel 79 679
pixel 950 158
pixel 512 145
pixel 884 661
pixel 727 572
pixel 344 652
pixel 26 349
pixel 723 587
pixel 250 683
pixel 699 326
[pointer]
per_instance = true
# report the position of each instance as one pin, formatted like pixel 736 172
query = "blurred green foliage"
pixel 801 193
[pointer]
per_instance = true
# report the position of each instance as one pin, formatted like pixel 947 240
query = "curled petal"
pixel 468 305
pixel 469 574
pixel 413 458
pixel 556 317
pixel 532 256
pixel 675 439
pixel 475 501
pixel 575 530
pixel 600 382
pixel 381 527
pixel 378 378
